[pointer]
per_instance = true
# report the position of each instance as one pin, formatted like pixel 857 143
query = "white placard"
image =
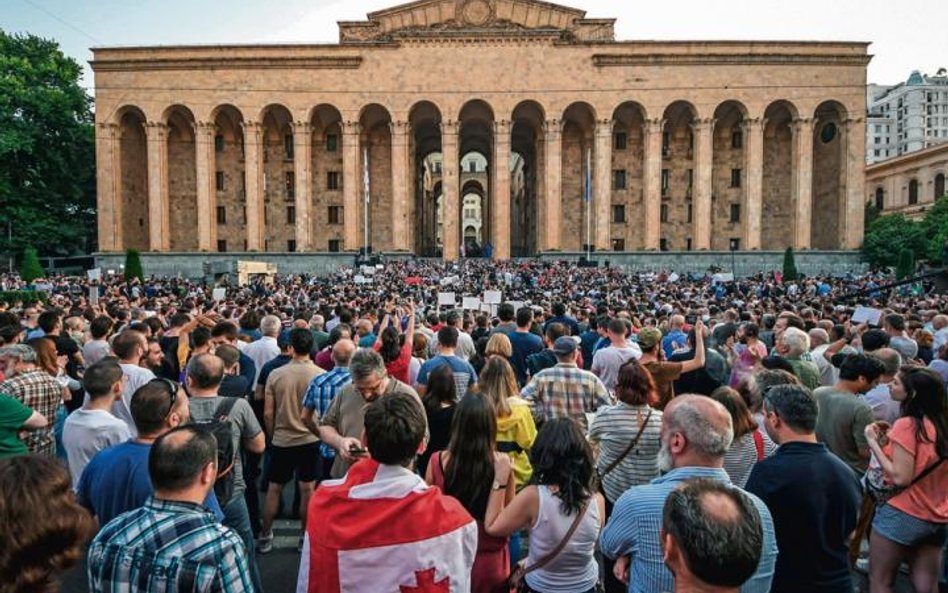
pixel 867 315
pixel 446 298
pixel 93 295
pixel 517 305
pixel 673 277
pixel 369 270
pixel 94 274
pixel 360 279
pixel 449 280
pixel 493 297
pixel 471 303
pixel 219 294
pixel 487 308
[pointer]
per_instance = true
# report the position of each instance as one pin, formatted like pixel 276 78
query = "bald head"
pixel 891 360
pixel 205 371
pixel 300 324
pixel 342 352
pixel 677 321
pixel 818 337
pixel 705 425
pixel 939 322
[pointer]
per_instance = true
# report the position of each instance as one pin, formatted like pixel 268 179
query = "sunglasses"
pixel 172 392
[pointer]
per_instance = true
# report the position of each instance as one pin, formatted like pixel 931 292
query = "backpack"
pixel 219 425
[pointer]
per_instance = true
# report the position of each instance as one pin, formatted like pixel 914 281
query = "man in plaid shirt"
pixel 565 390
pixel 172 544
pixel 36 389
pixel 322 390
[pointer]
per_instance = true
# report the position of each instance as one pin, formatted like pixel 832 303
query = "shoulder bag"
pixel 516 579
pixel 628 449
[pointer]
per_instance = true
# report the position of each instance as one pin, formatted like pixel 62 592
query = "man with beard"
pixel 696 434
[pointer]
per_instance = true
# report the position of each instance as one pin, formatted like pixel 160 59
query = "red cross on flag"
pixel 381 528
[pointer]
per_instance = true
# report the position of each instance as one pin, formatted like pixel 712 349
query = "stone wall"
pixel 192 265
pixel 134 190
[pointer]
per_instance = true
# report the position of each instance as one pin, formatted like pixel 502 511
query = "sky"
pixel 906 35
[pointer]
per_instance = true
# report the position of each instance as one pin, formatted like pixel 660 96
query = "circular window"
pixel 828 133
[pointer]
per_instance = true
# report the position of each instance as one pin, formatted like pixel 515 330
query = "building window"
pixel 735 213
pixel 664 213
pixel 828 133
pixel 334 217
pixel 666 144
pixel 221 215
pixel 737 139
pixel 332 142
pixel 290 184
pixel 219 180
pixel 618 213
pixel 219 143
pixel 291 215
pixel 288 145
pixel 332 180
pixel 618 244
pixel 618 179
pixel 735 177
pixel 663 244
pixel 222 245
pixel 291 245
pixel 334 245
pixel 913 192
pixel 620 141
pixel 665 176
pixel 939 186
pixel 691 182
pixel 688 213
pixel 734 244
pixel 880 198
pixel 688 244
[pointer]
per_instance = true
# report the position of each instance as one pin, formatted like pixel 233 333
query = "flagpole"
pixel 588 200
pixel 365 205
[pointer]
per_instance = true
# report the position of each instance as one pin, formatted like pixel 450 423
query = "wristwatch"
pixel 498 486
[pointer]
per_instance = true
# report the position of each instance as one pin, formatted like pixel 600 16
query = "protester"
pixel 16 418
pixel 665 373
pixel 464 374
pixel 747 448
pixel 130 346
pixel 607 361
pixel 34 388
pixel 440 401
pixel 396 347
pixel 516 430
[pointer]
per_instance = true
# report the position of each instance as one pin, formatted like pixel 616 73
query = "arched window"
pixel 880 198
pixel 939 186
pixel 913 192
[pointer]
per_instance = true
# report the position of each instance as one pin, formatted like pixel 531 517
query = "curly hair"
pixel 44 528
pixel 562 457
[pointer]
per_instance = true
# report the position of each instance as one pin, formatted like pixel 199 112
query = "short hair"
pixel 505 312
pixel 793 320
pixel 795 405
pixel 270 325
pixel 177 457
pixel 151 404
pixel 452 317
pixel 895 321
pixel 854 366
pixel 890 359
pixel 125 343
pixel 559 308
pixel 795 340
pixel 48 319
pixel 365 363
pixel 301 340
pixel 200 337
pixel 100 327
pixel 524 316
pixel 224 329
pixel 618 326
pixel 556 330
pixel 394 427
pixel 635 385
pixel 228 354
pixel 448 336
pixel 180 319
pixel 874 339
pixel 101 376
pixel 206 371
pixel 700 432
pixel 720 543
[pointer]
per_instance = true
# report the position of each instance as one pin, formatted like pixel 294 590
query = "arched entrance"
pixel 777 214
pixel 328 204
pixel 230 185
pixel 182 179
pixel 627 216
pixel 476 142
pixel 279 180
pixel 525 178
pixel 134 192
pixel 829 176
pixel 375 123
pixel 728 177
pixel 473 203
pixel 427 168
pixel 678 153
pixel 579 122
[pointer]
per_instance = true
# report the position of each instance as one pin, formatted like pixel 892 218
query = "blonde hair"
pixel 499 344
pixel 498 383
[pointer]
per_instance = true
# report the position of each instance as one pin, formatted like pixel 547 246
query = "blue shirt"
pixel 675 336
pixel 319 395
pixel 636 522
pixel 524 344
pixel 116 480
pixel 464 373
pixel 271 366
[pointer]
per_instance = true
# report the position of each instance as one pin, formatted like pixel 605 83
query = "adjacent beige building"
pixel 910 183
pixel 687 145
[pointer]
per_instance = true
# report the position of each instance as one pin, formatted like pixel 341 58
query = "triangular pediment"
pixel 473 18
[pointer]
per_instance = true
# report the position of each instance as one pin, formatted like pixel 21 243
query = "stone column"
pixel 753 183
pixel 303 187
pixel 801 182
pixel 253 185
pixel 701 192
pixel 602 200
pixel 205 179
pixel 551 224
pixel 108 157
pixel 853 219
pixel 652 182
pixel 500 191
pixel 401 130
pixel 450 179
pixel 351 184
pixel 159 216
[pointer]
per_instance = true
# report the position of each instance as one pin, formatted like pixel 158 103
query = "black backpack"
pixel 220 426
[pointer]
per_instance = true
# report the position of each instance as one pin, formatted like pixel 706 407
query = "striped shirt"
pixel 740 459
pixel 320 393
pixel 168 547
pixel 614 428
pixel 636 522
pixel 565 391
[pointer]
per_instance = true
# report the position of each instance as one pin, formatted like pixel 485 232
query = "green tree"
pixel 906 265
pixel 888 235
pixel 30 268
pixel 789 266
pixel 133 265
pixel 871 213
pixel 47 149
pixel 935 230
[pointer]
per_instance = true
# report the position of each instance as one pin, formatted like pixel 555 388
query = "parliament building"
pixel 518 125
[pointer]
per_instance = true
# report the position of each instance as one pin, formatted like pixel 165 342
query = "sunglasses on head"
pixel 172 391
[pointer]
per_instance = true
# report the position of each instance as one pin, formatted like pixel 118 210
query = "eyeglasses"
pixel 172 392
pixel 369 391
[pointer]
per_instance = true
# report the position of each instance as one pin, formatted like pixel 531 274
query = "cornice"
pixel 229 63
pixel 613 60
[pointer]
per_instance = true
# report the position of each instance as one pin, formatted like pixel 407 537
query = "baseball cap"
pixel 564 345
pixel 649 336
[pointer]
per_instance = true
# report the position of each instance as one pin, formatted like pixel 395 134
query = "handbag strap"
pixel 559 547
pixel 628 449
pixel 925 472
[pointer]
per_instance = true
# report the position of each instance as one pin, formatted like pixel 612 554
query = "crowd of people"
pixel 596 430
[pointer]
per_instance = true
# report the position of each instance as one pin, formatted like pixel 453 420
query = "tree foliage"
pixel 888 235
pixel 789 266
pixel 906 265
pixel 30 268
pixel 133 265
pixel 47 149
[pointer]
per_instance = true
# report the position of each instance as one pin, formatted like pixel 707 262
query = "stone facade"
pixel 687 145
pixel 910 183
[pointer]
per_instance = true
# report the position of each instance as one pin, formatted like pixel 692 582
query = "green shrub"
pixel 133 265
pixel 30 268
pixel 789 266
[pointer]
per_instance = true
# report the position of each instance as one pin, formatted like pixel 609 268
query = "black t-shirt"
pixel 234 386
pixel 171 369
pixel 439 427
pixel 814 499
pixel 697 381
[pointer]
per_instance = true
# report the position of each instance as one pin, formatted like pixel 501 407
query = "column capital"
pixel 400 127
pixel 301 127
pixel 450 127
pixel 751 124
pixel 703 124
pixel 204 127
pixel 852 121
pixel 604 126
pixel 155 129
pixel 107 125
pixel 802 123
pixel 553 126
pixel 502 127
pixel 351 128
pixel 653 126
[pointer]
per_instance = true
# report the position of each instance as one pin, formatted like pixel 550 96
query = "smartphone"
pixel 358 451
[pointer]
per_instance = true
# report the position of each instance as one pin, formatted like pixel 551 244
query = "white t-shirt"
pixel 261 352
pixel 136 377
pixel 85 433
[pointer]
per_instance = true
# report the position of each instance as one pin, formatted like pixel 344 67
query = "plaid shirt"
pixel 565 391
pixel 40 391
pixel 168 547
pixel 322 390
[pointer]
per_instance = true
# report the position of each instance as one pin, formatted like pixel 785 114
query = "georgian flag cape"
pixel 381 528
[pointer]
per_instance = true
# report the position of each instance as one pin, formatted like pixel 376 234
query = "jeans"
pixel 237 518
